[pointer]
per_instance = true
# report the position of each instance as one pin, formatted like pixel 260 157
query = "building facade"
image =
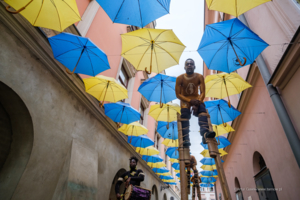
pixel 260 163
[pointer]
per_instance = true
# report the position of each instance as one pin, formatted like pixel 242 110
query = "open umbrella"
pixel 156 165
pixel 178 175
pixel 157 49
pixel 172 152
pixel 141 141
pixel 209 161
pixel 148 151
pixel 56 15
pixel 220 112
pixel 221 129
pixel 227 46
pixel 105 89
pixel 135 13
pixel 166 177
pixel 213 173
pixel 170 143
pixel 234 8
pixel 78 54
pixel 167 113
pixel 160 170
pixel 133 129
pixel 224 85
pixel 205 153
pixel 208 180
pixel 222 142
pixel 169 181
pixel 209 167
pixel 164 174
pixel 168 130
pixel 121 112
pixel 206 185
pixel 176 166
pixel 152 159
pixel 160 89
pixel 174 160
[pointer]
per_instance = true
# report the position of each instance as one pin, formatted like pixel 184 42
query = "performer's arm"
pixel 178 90
pixel 140 177
pixel 202 88
pixel 119 182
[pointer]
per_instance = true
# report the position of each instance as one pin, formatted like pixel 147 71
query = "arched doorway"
pixel 112 195
pixel 16 132
pixel 263 179
pixel 154 194
pixel 165 197
pixel 238 190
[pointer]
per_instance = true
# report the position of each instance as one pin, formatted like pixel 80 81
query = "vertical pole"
pixel 183 176
pixel 214 153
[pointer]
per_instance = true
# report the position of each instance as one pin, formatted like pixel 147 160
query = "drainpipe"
pixel 284 118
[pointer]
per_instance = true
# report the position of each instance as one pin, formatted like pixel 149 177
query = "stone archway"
pixel 154 194
pixel 16 129
pixel 112 194
pixel 238 190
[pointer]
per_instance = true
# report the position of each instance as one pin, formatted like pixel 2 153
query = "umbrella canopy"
pixel 172 152
pixel 234 8
pixel 156 165
pixel 169 181
pixel 152 159
pixel 166 177
pixel 227 46
pixel 208 167
pixel 134 129
pixel 224 85
pixel 121 112
pixel 168 130
pixel 167 113
pixel 178 175
pixel 164 173
pixel 222 142
pixel 220 112
pixel 135 13
pixel 56 15
pixel 160 170
pixel 177 171
pixel 213 173
pixel 160 88
pixel 151 49
pixel 78 54
pixel 209 161
pixel 174 160
pixel 206 185
pixel 142 141
pixel 221 129
pixel 149 151
pixel 176 166
pixel 205 153
pixel 208 180
pixel 170 143
pixel 105 89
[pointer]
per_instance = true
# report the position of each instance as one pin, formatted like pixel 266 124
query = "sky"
pixel 186 18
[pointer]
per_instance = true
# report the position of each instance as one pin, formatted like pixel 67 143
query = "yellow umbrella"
pixel 177 171
pixel 173 160
pixel 234 8
pixel 156 165
pixel 208 167
pixel 56 15
pixel 170 143
pixel 105 89
pixel 221 129
pixel 157 49
pixel 165 174
pixel 133 129
pixel 168 181
pixel 149 151
pixel 167 113
pixel 224 85
pixel 205 153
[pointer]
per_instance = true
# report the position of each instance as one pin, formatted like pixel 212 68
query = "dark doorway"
pixel 112 195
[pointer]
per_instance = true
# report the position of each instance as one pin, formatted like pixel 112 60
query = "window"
pixel 297 2
pixel 156 140
pixel 123 77
pixel 211 189
pixel 142 111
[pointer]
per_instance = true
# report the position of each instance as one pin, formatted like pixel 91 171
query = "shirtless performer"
pixel 187 87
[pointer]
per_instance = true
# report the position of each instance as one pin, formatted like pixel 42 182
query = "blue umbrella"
pixel 208 179
pixel 168 133
pixel 171 183
pixel 209 173
pixel 152 159
pixel 141 141
pixel 209 161
pixel 222 141
pixel 166 177
pixel 225 45
pixel 137 13
pixel 78 54
pixel 220 112
pixel 178 175
pixel 206 185
pixel 160 170
pixel 176 166
pixel 121 112
pixel 172 152
pixel 160 88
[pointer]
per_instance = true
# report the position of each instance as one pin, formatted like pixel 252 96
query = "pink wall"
pixel 82 5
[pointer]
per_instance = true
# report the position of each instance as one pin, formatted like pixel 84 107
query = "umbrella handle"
pixel 148 72
pixel 242 64
pixel 161 104
pixel 17 11
pixel 101 104
pixel 69 72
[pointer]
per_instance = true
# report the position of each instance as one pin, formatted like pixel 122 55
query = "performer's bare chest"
pixel 189 86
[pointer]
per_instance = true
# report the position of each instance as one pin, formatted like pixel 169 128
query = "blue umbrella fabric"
pixel 78 54
pixel 220 112
pixel 222 141
pixel 176 166
pixel 208 180
pixel 206 185
pixel 209 161
pixel 160 170
pixel 171 133
pixel 136 13
pixel 227 46
pixel 160 88
pixel 178 175
pixel 121 112
pixel 170 183
pixel 141 141
pixel 172 152
pixel 209 173
pixel 152 159
pixel 166 177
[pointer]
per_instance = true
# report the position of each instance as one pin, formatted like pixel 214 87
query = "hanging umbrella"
pixel 121 112
pixel 170 143
pixel 156 165
pixel 168 130
pixel 220 112
pixel 78 54
pixel 160 89
pixel 135 13
pixel 105 89
pixel 56 15
pixel 224 85
pixel 167 113
pixel 160 170
pixel 141 141
pixel 148 151
pixel 206 185
pixel 152 159
pixel 178 175
pixel 164 174
pixel 234 8
pixel 153 49
pixel 209 161
pixel 208 167
pixel 205 153
pixel 133 129
pixel 176 166
pixel 227 46
pixel 222 141
pixel 208 180
pixel 221 129
pixel 166 177
pixel 172 152
pixel 168 181
pixel 213 173
pixel 174 160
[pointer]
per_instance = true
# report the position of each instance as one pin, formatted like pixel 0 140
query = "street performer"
pixel 133 177
pixel 187 87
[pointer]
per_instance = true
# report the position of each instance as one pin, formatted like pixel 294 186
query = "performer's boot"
pixel 185 125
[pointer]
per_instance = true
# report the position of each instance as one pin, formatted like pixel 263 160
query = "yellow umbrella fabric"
pixel 177 171
pixel 167 113
pixel 205 153
pixel 156 165
pixel 165 174
pixel 52 14
pixel 134 129
pixel 208 167
pixel 236 7
pixel 170 143
pixel 224 85
pixel 151 49
pixel 221 129
pixel 105 89
pixel 168 181
pixel 173 160
pixel 149 151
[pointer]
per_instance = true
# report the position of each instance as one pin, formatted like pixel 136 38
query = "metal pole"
pixel 282 113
